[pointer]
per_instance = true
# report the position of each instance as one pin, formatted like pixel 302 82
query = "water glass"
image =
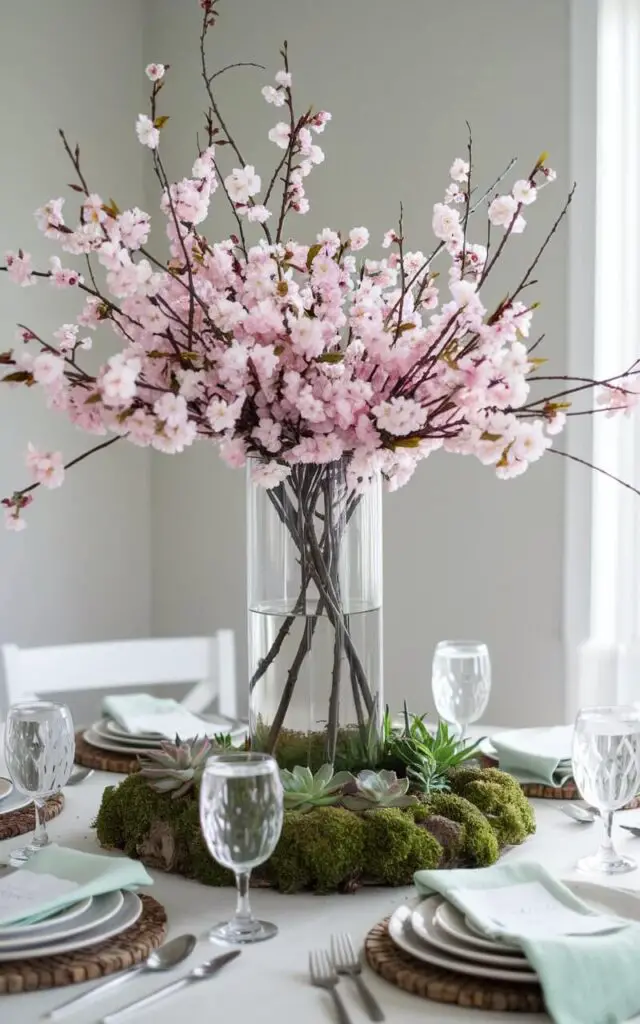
pixel 241 811
pixel 39 746
pixel 606 770
pixel 461 681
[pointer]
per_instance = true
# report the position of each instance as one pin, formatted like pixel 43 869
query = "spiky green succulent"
pixel 377 789
pixel 429 757
pixel 174 767
pixel 304 790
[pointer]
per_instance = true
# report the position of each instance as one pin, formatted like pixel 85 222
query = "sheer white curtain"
pixel 608 667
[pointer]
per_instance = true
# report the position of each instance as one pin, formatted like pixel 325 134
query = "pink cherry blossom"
pixel 63 277
pixel 13 520
pixel 48 369
pixel 446 224
pixel 358 238
pixel 243 183
pixel 283 78
pixel 399 416
pixel 155 72
pixel 258 214
pixel 269 474
pixel 67 337
pixel 280 134
pixel 619 399
pixel 275 96
pixel 524 192
pixel 148 134
pixel 49 218
pixel 502 211
pixel 118 382
pixel 46 468
pixel 459 170
pixel 19 268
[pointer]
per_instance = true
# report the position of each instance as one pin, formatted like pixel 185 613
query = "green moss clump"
pixel 328 848
pixel 478 843
pixel 500 799
pixel 395 848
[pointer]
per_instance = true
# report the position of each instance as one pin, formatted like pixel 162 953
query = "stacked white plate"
pixel 82 924
pixel 433 931
pixel 108 735
pixel 10 799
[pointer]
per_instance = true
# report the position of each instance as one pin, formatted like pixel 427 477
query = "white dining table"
pixel 269 983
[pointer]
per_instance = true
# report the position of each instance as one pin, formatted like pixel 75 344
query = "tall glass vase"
pixel 314 550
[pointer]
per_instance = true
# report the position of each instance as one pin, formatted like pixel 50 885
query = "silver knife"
pixel 199 973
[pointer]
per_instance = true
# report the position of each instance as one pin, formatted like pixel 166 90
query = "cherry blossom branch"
pixel 403 277
pixel 74 462
pixel 290 148
pixel 527 277
pixel 597 469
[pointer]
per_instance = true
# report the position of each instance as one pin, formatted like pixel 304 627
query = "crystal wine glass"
pixel 241 811
pixel 606 770
pixel 39 746
pixel 461 681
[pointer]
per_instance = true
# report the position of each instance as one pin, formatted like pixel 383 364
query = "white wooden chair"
pixel 209 662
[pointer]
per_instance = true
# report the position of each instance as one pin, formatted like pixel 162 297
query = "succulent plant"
pixel 304 790
pixel 377 789
pixel 174 767
pixel 428 757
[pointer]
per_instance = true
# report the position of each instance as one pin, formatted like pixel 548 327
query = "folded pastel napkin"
pixel 587 963
pixel 142 714
pixel 540 755
pixel 56 877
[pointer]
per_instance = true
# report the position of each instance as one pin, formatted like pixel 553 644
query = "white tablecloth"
pixel 268 984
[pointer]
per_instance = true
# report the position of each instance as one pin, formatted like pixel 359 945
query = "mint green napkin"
pixel 56 877
pixel 140 714
pixel 540 755
pixel 589 978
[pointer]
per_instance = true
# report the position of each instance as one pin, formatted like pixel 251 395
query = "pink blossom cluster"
pixel 289 351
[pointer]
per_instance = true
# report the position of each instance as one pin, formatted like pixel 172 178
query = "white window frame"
pixel 602 582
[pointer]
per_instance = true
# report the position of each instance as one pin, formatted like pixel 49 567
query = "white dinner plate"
pixel 14 931
pixel 453 923
pixel 100 909
pixel 14 802
pixel 101 743
pixel 127 915
pixel 209 722
pixel 425 926
pixel 603 899
pixel 6 787
pixel 403 935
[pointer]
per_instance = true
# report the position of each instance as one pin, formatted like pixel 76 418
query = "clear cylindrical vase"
pixel 314 574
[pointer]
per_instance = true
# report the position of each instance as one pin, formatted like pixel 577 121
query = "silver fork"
pixel 324 975
pixel 346 961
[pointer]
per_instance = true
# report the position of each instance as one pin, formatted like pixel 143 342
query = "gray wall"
pixel 465 554
pixel 81 569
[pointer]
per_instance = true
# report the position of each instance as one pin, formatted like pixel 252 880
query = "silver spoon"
pixel 579 814
pixel 79 775
pixel 162 959
pixel 199 973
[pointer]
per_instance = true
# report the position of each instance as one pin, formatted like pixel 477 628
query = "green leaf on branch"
pixel 486 436
pixel 406 327
pixel 407 442
pixel 18 377
pixel 313 252
pixel 330 357
pixel 537 361
pixel 161 121
pixel 93 399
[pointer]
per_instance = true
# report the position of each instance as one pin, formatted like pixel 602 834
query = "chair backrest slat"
pixel 209 662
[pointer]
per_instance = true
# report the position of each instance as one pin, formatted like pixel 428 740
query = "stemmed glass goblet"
pixel 461 682
pixel 39 746
pixel 606 770
pixel 241 813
